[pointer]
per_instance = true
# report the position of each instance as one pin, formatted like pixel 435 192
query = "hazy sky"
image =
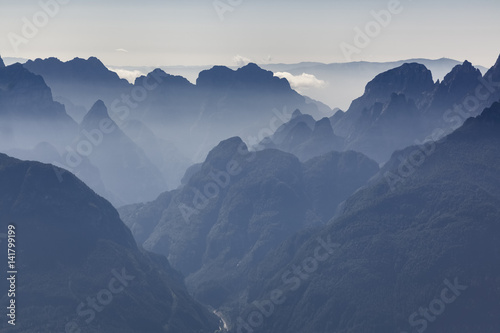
pixel 191 32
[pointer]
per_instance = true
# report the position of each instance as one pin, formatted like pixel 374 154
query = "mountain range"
pixel 423 234
pixel 28 114
pixel 400 107
pixel 236 207
pixel 35 127
pixel 79 83
pixel 346 80
pixel 191 118
pixel 244 206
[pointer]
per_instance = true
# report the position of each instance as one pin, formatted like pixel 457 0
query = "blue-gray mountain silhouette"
pixel 417 224
pixel 71 245
pixel 28 114
pixel 78 83
pixel 119 158
pixel 236 207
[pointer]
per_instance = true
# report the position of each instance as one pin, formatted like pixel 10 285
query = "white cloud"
pixel 302 82
pixel 121 50
pixel 130 76
pixel 241 60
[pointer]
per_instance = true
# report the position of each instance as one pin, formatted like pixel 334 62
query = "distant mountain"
pixel 348 80
pixel 304 137
pixel 163 154
pixel 79 268
pixel 35 127
pixel 191 117
pixel 236 207
pixel 458 83
pixel 385 127
pixel 28 113
pixel 222 104
pixel 415 250
pixel 124 167
pixel 172 100
pixel 412 80
pixel 492 82
pixel 398 108
pixel 385 118
pixel 78 83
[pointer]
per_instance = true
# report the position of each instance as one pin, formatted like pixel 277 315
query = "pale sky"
pixel 190 32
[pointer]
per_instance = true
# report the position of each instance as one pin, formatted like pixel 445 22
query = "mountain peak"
pixel 98 112
pixel 252 70
pixel 497 63
pixel 165 79
pixel 460 70
pixel 491 114
pixel 251 65
pixel 84 69
pixel 95 60
pixel 50 60
pixel 494 72
pixel 299 134
pixel 90 63
pixel 217 76
pixel 467 64
pixel 249 77
pixel 323 127
pixel 230 144
pixel 411 79
pixel 486 124
pixel 159 71
pixel 226 150
pixel 457 83
pixel 296 113
pixel 2 64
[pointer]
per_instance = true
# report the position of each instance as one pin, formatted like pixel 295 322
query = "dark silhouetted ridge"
pixel 85 245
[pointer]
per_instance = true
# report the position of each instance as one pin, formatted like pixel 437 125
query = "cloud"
pixel 121 50
pixel 241 60
pixel 302 82
pixel 130 76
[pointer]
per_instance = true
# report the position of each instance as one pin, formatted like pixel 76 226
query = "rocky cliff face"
pixel 236 207
pixel 423 233
pixel 28 112
pixel 79 266
pixel 78 83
